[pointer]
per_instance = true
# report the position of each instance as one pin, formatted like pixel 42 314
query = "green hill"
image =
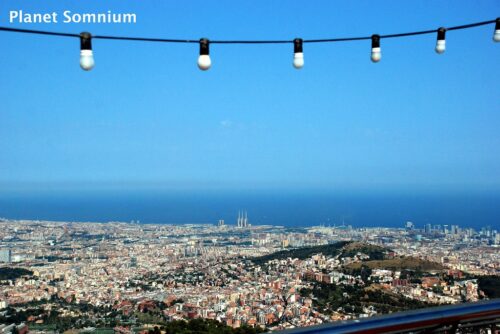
pixel 490 285
pixel 7 273
pixel 375 252
pixel 352 298
pixel 302 253
pixel 344 248
pixel 400 263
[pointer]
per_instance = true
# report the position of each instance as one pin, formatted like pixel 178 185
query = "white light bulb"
pixel 440 46
pixel 441 41
pixel 86 55
pixel 298 53
pixel 376 51
pixel 376 55
pixel 496 35
pixel 86 60
pixel 204 62
pixel 298 60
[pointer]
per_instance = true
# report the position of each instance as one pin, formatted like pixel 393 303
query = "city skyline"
pixel 258 277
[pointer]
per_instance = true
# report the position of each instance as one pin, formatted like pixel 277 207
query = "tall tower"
pixel 242 219
pixel 6 255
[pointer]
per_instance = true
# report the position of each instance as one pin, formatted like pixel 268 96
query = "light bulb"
pixel 496 35
pixel 376 51
pixel 298 54
pixel 86 60
pixel 204 61
pixel 86 55
pixel 441 41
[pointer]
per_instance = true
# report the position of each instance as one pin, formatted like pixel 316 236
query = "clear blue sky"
pixel 146 116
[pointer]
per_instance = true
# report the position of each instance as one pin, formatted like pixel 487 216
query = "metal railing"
pixel 480 317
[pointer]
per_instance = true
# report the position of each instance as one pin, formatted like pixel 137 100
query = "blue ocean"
pixel 285 208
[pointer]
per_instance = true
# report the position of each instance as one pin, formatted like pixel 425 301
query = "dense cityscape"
pixel 130 277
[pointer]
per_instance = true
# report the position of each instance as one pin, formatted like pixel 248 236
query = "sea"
pixel 283 208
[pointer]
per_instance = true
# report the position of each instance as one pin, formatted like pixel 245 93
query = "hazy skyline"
pixel 147 116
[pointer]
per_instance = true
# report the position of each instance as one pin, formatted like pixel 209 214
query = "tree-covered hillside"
pixel 7 273
pixel 302 253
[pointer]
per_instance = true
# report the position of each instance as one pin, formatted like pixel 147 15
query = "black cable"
pixel 472 25
pixel 169 40
pixel 39 32
pixel 251 42
pixel 147 39
pixel 405 34
pixel 331 40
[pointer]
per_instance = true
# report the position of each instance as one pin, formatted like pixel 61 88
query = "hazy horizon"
pixel 288 208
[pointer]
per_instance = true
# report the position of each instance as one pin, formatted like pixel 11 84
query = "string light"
pixel 204 61
pixel 86 55
pixel 376 51
pixel 441 42
pixel 298 54
pixel 496 35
